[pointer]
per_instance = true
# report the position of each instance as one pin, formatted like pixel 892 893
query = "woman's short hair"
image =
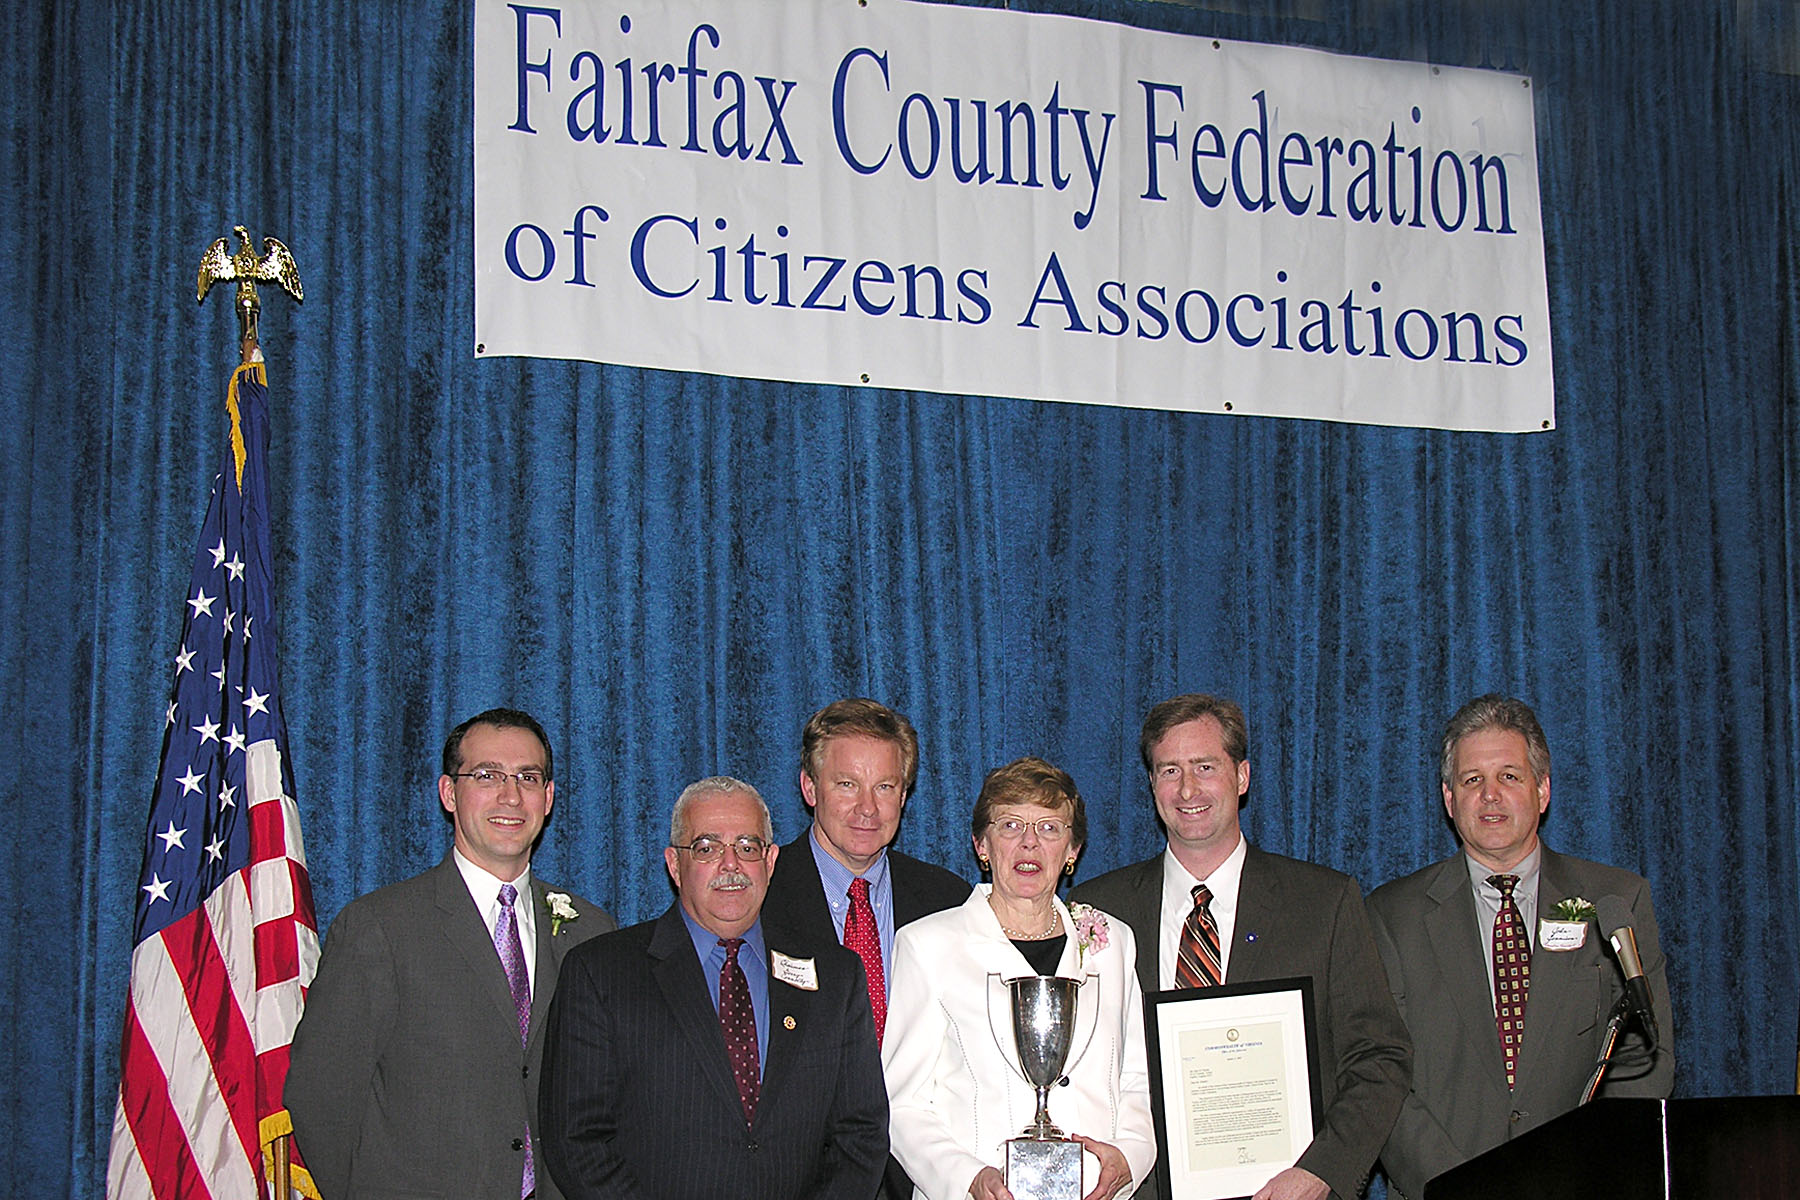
pixel 1030 780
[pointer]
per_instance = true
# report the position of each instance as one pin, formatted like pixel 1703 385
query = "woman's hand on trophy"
pixel 1115 1172
pixel 989 1184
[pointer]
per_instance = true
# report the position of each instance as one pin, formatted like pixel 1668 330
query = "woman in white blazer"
pixel 955 1092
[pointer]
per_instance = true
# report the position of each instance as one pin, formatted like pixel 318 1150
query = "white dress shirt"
pixel 484 889
pixel 1178 902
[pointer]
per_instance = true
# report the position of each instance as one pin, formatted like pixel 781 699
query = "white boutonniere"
pixel 1091 930
pixel 1573 909
pixel 562 908
pixel 1567 925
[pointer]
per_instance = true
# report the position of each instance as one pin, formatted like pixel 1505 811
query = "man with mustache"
pixel 705 1053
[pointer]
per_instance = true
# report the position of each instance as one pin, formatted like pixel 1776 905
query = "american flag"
pixel 224 942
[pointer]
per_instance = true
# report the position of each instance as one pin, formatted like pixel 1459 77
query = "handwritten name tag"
pixel 795 972
pixel 1562 935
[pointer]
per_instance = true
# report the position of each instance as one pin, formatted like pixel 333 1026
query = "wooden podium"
pixel 1740 1147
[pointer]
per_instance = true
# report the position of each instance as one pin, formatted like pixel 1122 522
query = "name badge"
pixel 1562 935
pixel 795 972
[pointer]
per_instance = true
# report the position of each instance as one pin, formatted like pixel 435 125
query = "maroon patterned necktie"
pixel 512 958
pixel 1197 955
pixel 1512 973
pixel 863 936
pixel 738 1021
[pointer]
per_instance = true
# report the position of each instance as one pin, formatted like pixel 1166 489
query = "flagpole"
pixel 248 309
pixel 220 964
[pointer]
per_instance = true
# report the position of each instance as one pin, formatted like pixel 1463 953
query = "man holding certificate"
pixel 1214 909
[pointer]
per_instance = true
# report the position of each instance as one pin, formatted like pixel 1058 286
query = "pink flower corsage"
pixel 1091 930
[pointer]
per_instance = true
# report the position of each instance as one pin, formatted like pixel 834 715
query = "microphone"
pixel 1610 913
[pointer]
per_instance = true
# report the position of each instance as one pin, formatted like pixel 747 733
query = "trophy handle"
pixel 1003 1036
pixel 1092 1012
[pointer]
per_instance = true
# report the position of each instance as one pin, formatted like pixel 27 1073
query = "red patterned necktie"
pixel 1512 973
pixel 863 936
pixel 1197 955
pixel 512 958
pixel 738 1021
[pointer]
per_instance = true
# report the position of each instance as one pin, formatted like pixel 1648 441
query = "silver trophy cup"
pixel 1043 1164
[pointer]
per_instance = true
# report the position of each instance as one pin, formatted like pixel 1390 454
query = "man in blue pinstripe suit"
pixel 657 1082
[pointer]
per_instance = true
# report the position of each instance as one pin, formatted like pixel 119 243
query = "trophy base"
pixel 1043 1170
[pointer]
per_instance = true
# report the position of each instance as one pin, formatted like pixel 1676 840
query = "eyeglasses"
pixel 711 849
pixel 1012 828
pixel 489 779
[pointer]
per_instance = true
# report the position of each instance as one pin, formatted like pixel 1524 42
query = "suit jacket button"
pixel 1517 1116
pixel 525 1070
pixel 518 1143
pixel 751 1146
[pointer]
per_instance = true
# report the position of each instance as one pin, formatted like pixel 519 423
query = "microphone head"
pixel 1614 919
pixel 1611 914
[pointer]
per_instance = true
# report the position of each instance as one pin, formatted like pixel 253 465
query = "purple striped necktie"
pixel 512 958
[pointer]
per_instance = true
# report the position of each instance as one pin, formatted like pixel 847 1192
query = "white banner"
pixel 966 200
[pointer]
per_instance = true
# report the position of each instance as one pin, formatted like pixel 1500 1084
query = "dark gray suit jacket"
pixel 797 899
pixel 638 1097
pixel 1297 919
pixel 1430 940
pixel 407 1077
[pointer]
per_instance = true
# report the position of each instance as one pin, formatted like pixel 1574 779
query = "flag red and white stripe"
pixel 225 942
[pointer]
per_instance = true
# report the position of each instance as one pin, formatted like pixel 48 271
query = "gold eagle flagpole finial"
pixel 276 265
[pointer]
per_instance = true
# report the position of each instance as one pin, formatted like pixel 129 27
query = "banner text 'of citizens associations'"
pixel 968 200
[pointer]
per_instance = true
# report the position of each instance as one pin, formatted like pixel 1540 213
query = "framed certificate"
pixel 1234 1082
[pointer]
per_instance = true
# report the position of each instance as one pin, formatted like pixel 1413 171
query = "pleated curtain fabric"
pixel 673 570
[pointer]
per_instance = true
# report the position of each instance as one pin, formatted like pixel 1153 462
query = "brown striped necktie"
pixel 1197 956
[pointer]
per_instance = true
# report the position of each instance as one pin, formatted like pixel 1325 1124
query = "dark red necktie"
pixel 738 1021
pixel 863 936
pixel 1197 954
pixel 1512 973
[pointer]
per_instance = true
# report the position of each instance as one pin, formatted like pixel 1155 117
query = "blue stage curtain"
pixel 673 570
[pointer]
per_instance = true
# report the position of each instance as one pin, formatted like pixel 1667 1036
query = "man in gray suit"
pixel 415 1066
pixel 1269 917
pixel 1437 931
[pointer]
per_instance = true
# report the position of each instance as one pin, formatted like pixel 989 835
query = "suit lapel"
pixel 467 933
pixel 909 906
pixel 1556 976
pixel 682 982
pixel 1456 943
pixel 792 1011
pixel 1142 911
pixel 1087 1001
pixel 1259 900
pixel 549 963
pixel 796 894
pixel 998 960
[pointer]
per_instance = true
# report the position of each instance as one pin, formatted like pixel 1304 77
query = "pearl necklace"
pixel 1049 930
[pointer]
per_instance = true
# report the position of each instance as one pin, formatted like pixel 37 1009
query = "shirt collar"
pixel 706 942
pixel 483 887
pixel 1179 883
pixel 1526 869
pixel 835 877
